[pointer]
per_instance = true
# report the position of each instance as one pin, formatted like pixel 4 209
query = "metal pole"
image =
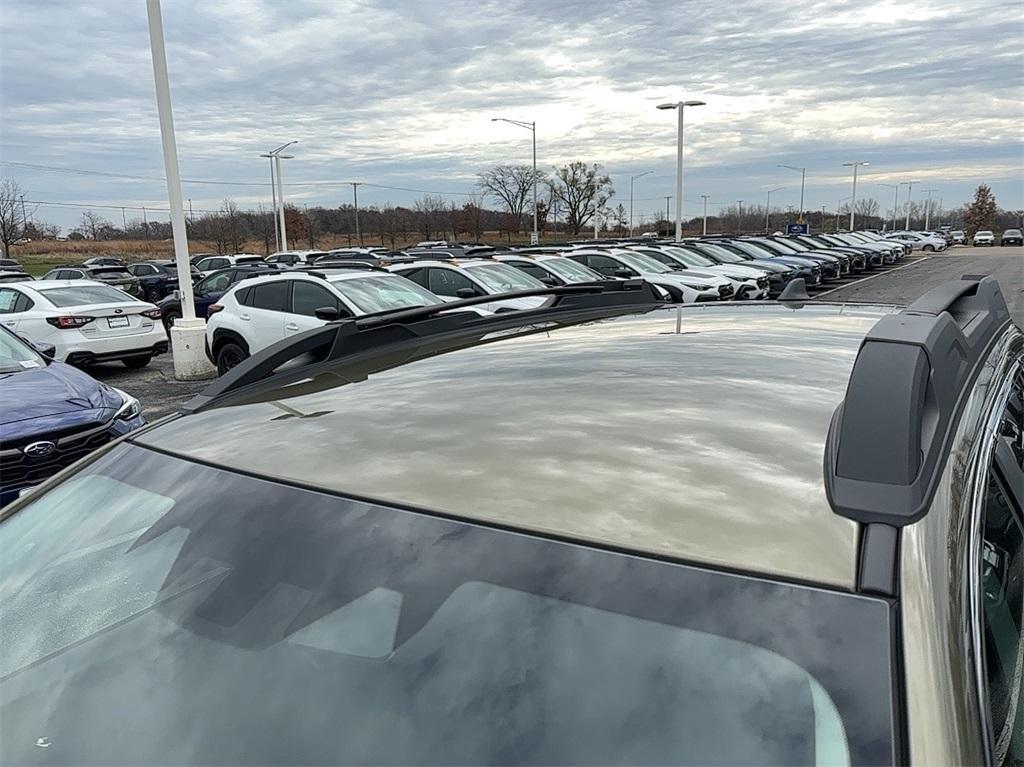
pixel 24 217
pixel 355 205
pixel 823 218
pixel 853 199
pixel 679 175
pixel 191 218
pixel 535 239
pixel 145 223
pixel 273 197
pixel 928 209
pixel 280 197
pixel 631 206
pixel 895 206
pixel 124 221
pixel 803 177
pixel 767 209
pixel 705 229
pixel 910 189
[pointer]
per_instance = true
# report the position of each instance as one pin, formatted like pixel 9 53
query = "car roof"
pixel 45 284
pixel 704 445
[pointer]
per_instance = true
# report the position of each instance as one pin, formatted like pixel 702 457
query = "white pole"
pixel 895 205
pixel 355 207
pixel 273 194
pixel 679 176
pixel 280 197
pixel 631 206
pixel 910 189
pixel 853 198
pixel 535 239
pixel 705 230
pixel 803 177
pixel 188 333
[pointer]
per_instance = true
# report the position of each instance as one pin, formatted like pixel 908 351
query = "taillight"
pixel 68 323
pixel 213 309
pixel 153 314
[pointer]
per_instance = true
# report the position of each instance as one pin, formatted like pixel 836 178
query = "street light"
pixel 704 197
pixel 768 208
pixel 631 179
pixel 928 208
pixel 275 166
pixel 531 126
pixel 680 106
pixel 853 197
pixel 895 202
pixel 803 177
pixel 910 188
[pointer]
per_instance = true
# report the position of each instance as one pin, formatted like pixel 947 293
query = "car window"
pixel 419 276
pixel 307 297
pixel 501 278
pixel 1002 585
pixel 53 274
pixel 531 269
pixel 84 295
pixel 215 283
pixel 16 355
pixel 604 264
pixel 8 299
pixel 380 292
pixel 571 271
pixel 447 282
pixel 272 296
pixel 142 270
pixel 24 303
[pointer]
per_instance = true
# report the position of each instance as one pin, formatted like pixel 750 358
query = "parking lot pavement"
pixel 908 281
pixel 154 386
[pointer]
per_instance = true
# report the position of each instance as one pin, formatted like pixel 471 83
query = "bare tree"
pixel 583 190
pixel 91 224
pixel 512 185
pixel 12 218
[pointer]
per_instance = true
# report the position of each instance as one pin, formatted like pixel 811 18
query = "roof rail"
pixel 307 361
pixel 889 437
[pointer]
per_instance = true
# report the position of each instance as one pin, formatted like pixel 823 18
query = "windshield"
pixel 16 355
pixel 501 278
pixel 379 293
pixel 797 245
pixel 1011 233
pixel 643 263
pixel 572 271
pixel 688 257
pixel 777 246
pixel 208 617
pixel 722 254
pixel 84 295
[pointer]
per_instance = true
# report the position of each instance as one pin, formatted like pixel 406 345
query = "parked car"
pixel 551 269
pixel 53 414
pixel 209 289
pixel 210 264
pixel 832 266
pixel 682 287
pixel 461 278
pixel 259 312
pixel 115 276
pixel 959 236
pixel 9 275
pixel 85 321
pixel 158 278
pixel 432 542
pixel 1012 237
pixel 9 264
pixel 290 258
pixel 748 282
pixel 105 261
pixel 983 237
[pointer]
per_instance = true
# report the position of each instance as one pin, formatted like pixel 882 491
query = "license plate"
pixel 117 322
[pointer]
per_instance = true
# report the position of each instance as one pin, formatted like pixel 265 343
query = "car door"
pixel 446 283
pixel 262 318
pixel 306 298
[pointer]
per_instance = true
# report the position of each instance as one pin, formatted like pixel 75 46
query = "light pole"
pixel 739 215
pixel 768 208
pixel 853 197
pixel 631 179
pixel 275 171
pixel 895 202
pixel 704 197
pixel 680 106
pixel 355 205
pixel 910 188
pixel 839 205
pixel 531 126
pixel 803 177
pixel 928 208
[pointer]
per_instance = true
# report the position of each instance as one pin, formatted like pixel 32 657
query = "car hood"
pixel 54 396
pixel 688 278
pixel 736 271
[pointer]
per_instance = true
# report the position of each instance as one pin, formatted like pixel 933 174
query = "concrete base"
pixel 187 346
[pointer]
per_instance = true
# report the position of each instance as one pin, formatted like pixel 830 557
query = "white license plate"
pixel 117 322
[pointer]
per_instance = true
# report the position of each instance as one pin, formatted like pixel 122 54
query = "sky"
pixel 402 95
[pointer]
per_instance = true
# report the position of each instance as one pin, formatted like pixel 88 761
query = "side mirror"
pixel 465 293
pixel 624 273
pixel 327 313
pixel 548 281
pixel 47 350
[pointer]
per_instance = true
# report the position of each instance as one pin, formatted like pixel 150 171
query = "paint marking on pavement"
pixel 915 262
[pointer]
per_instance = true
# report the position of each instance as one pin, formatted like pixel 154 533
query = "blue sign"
pixel 797 229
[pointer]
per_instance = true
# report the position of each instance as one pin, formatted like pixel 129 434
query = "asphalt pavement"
pixel 160 394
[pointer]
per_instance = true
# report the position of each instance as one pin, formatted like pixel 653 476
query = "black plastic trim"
pixel 877 559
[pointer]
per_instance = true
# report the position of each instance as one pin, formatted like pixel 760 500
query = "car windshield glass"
pixel 1011 233
pixel 751 249
pixel 106 273
pixel 208 617
pixel 777 246
pixel 643 263
pixel 984 231
pixel 501 278
pixel 798 246
pixel 572 271
pixel 381 292
pixel 722 254
pixel 16 355
pixel 85 294
pixel 688 257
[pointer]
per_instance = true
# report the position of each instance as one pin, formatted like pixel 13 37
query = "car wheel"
pixel 153 295
pixel 229 355
pixel 170 317
pixel 927 248
pixel 134 363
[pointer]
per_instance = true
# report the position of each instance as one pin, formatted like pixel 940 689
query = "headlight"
pixel 130 407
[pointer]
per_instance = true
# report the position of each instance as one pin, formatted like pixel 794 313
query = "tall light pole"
pixel 803 177
pixel 768 208
pixel 187 333
pixel 928 207
pixel 895 202
pixel 278 196
pixel 910 188
pixel 531 126
pixel 355 206
pixel 853 197
pixel 704 230
pixel 739 215
pixel 631 180
pixel 680 106
pixel 839 205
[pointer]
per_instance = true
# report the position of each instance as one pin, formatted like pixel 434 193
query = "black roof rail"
pixel 307 361
pixel 888 438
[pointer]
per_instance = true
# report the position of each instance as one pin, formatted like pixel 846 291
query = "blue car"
pixel 52 415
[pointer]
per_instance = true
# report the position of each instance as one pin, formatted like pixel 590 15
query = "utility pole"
pixel 739 216
pixel 928 208
pixel 355 205
pixel 124 221
pixel 910 188
pixel 704 197
pixel 823 218
pixel 24 218
pixel 191 218
pixel 768 209
pixel 145 231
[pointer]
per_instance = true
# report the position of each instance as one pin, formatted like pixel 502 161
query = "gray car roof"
pixel 705 445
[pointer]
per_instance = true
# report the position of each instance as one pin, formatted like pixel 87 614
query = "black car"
pixel 13 275
pixel 9 264
pixel 158 278
pixel 117 276
pixel 1012 237
pixel 209 289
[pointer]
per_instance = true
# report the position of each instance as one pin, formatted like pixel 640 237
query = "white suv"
pixel 984 237
pixel 460 278
pixel 210 264
pixel 683 288
pixel 259 312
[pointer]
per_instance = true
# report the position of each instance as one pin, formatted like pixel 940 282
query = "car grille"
pixel 762 282
pixel 19 470
pixel 725 291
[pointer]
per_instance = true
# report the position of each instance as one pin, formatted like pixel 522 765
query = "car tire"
pixel 153 295
pixel 169 318
pixel 928 248
pixel 229 355
pixel 136 363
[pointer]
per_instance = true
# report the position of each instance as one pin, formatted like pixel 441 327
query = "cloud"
pixel 402 94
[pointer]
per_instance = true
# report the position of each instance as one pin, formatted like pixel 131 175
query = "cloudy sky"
pixel 400 94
